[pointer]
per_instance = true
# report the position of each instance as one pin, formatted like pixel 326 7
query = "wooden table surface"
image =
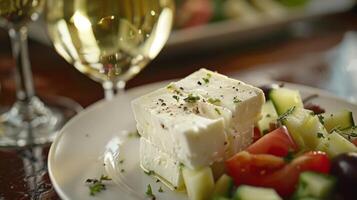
pixel 24 176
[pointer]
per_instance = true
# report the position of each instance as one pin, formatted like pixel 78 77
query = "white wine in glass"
pixel 29 121
pixel 109 40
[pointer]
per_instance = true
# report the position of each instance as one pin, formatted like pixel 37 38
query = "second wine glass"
pixel 109 40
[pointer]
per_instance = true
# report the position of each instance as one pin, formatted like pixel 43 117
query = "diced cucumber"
pixel 335 144
pixel 314 185
pixel 284 99
pixel 305 128
pixel 269 115
pixel 199 183
pixel 220 198
pixel 312 132
pixel 350 133
pixel 223 186
pixel 294 121
pixel 246 192
pixel 341 120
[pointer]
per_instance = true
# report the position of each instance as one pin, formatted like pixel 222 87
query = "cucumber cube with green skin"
pixel 314 185
pixel 350 133
pixel 335 145
pixel 199 183
pixel 245 192
pixel 224 186
pixel 312 132
pixel 294 121
pixel 284 99
pixel 341 120
pixel 269 115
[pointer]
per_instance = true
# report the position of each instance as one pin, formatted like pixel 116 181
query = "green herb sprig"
pixel 191 99
pixel 282 117
pixel 97 185
pixel 149 192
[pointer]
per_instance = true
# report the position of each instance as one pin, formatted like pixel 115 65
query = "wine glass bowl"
pixel 110 41
pixel 29 121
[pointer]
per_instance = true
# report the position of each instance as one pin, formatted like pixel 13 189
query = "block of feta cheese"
pixel 195 122
pixel 179 129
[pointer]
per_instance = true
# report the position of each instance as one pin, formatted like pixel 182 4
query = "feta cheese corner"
pixel 245 101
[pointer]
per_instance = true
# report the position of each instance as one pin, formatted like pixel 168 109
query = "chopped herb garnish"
pixel 96 186
pixel 282 117
pixel 236 100
pixel 321 119
pixel 218 111
pixel 288 158
pixel 192 99
pixel 170 87
pixel 160 189
pixel 320 135
pixel 335 129
pixel 176 97
pixel 149 192
pixel 206 80
pixel 214 101
pixel 350 133
pixel 149 173
pixel 181 165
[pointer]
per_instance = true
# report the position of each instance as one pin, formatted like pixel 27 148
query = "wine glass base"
pixel 35 123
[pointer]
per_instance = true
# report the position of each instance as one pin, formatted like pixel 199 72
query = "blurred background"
pixel 301 41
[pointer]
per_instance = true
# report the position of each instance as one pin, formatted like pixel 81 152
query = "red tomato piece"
pixel 277 142
pixel 271 171
pixel 355 142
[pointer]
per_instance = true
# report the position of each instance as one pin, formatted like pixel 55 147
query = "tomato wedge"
pixel 272 171
pixel 355 142
pixel 277 142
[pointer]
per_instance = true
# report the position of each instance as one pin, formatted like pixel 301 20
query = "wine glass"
pixel 109 40
pixel 29 121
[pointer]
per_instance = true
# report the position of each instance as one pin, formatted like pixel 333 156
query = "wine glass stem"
pixel 113 88
pixel 24 83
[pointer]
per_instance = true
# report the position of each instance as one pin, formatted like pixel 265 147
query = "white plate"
pixel 97 135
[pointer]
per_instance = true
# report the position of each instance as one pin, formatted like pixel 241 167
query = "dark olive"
pixel 344 167
pixel 267 88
